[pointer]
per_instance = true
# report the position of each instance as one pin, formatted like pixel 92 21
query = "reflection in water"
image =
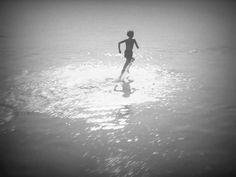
pixel 89 92
pixel 125 88
pixel 111 120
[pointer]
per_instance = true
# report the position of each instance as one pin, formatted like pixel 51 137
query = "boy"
pixel 128 51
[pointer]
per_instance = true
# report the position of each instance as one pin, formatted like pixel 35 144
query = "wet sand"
pixel 62 116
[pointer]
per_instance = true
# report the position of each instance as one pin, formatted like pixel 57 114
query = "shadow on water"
pixel 125 88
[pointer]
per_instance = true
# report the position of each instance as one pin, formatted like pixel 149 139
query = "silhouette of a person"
pixel 128 54
pixel 127 91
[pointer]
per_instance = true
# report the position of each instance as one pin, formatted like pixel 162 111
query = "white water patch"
pixel 90 90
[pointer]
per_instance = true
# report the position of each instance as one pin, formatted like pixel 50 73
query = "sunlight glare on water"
pixel 90 91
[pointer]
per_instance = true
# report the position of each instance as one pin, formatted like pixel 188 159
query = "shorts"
pixel 128 54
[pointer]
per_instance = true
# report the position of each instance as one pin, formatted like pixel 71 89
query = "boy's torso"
pixel 129 44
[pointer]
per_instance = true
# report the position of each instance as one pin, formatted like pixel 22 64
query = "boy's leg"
pixel 124 67
pixel 131 62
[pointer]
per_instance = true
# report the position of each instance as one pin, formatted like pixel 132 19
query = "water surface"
pixel 63 113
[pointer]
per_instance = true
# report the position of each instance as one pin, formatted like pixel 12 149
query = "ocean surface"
pixel 63 113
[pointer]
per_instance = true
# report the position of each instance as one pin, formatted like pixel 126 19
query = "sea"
pixel 63 112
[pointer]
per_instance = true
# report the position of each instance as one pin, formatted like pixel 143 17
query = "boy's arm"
pixel 119 45
pixel 136 44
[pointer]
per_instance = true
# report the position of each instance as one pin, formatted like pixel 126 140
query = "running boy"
pixel 128 51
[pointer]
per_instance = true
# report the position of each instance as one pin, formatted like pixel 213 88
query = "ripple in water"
pixel 90 90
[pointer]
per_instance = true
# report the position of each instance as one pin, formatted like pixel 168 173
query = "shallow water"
pixel 63 113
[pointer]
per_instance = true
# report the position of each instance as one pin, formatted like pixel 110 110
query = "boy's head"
pixel 130 34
